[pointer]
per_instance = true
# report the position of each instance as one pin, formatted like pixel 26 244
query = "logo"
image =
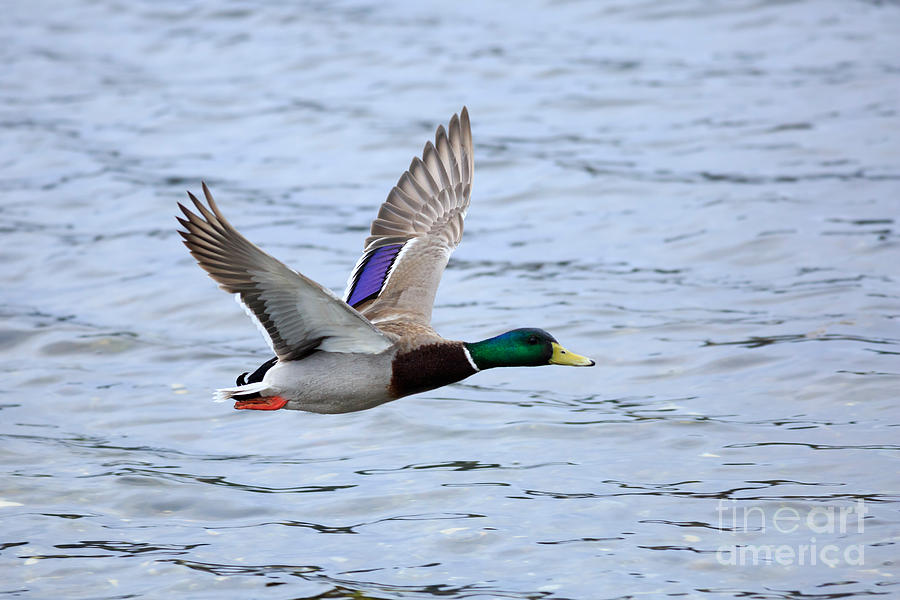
pixel 789 522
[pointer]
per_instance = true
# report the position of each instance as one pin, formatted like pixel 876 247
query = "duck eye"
pixel 533 340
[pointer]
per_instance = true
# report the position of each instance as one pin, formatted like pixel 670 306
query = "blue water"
pixel 702 196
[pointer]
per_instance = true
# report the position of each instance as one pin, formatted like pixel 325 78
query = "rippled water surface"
pixel 703 196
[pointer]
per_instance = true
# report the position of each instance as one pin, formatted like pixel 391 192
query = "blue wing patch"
pixel 371 272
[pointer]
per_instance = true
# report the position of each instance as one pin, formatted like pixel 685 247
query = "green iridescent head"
pixel 523 348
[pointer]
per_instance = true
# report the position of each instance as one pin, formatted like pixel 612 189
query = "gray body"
pixel 332 382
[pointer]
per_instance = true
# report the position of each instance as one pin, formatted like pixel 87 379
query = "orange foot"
pixel 267 403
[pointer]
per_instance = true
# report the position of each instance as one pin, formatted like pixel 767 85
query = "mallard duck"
pixel 375 345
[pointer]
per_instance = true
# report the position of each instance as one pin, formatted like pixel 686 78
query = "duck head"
pixel 528 347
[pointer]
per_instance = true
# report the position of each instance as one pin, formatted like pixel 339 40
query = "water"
pixel 703 196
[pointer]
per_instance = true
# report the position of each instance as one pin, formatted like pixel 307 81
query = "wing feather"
pixel 424 213
pixel 297 314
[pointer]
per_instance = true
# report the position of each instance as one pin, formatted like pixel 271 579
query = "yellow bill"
pixel 561 356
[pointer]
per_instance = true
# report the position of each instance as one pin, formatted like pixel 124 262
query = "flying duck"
pixel 375 345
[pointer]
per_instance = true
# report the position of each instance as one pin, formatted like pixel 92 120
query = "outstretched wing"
pixel 297 314
pixel 417 228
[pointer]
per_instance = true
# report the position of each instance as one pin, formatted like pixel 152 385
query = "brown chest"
pixel 428 367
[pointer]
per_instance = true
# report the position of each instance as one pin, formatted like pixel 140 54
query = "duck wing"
pixel 416 230
pixel 296 314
